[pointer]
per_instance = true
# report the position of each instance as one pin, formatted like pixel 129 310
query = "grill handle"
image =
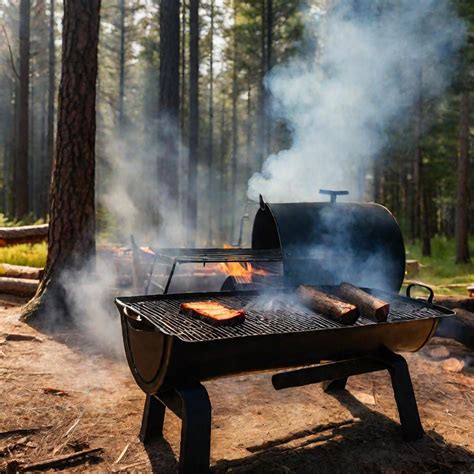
pixel 430 296
pixel 135 320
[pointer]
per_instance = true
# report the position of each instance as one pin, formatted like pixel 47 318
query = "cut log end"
pixel 369 306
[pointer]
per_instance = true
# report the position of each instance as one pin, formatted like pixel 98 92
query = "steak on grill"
pixel 213 313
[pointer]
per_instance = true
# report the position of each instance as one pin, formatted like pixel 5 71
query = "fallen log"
pixel 18 286
pixel 20 271
pixel 27 234
pixel 459 327
pixel 369 306
pixel 451 302
pixel 328 305
pixel 56 462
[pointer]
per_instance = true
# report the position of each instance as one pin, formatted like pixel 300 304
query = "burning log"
pixel 28 234
pixel 20 271
pixel 369 306
pixel 18 286
pixel 328 305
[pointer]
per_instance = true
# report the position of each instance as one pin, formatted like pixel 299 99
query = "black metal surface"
pixel 191 403
pixel 267 313
pixel 215 255
pixel 327 243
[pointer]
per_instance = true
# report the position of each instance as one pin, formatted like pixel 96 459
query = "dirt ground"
pixel 77 398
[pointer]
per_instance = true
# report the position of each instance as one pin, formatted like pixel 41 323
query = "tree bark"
pixel 169 101
pixel 21 164
pixel 462 198
pixel 268 66
pixel 235 138
pixel 51 99
pixel 261 127
pixel 210 145
pixel 121 104
pixel 193 119
pixel 71 237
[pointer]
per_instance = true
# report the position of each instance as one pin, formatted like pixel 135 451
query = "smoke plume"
pixel 367 66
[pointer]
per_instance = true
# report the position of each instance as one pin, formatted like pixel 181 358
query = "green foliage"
pixel 440 269
pixel 31 255
pixel 27 220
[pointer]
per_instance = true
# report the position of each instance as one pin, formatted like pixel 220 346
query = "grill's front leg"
pixel 152 420
pixel 190 402
pixel 195 430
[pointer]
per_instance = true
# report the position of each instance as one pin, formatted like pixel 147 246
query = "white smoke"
pixel 340 98
pixel 133 194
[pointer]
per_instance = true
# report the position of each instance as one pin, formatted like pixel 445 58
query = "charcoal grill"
pixel 170 354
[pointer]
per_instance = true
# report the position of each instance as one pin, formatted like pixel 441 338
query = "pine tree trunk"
pixel 462 198
pixel 193 119
pixel 169 102
pixel 261 127
pixel 268 66
pixel 235 140
pixel 46 179
pixel 71 237
pixel 223 152
pixel 210 145
pixel 121 104
pixel 21 163
pixel 421 180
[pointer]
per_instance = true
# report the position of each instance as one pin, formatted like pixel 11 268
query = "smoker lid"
pixel 330 242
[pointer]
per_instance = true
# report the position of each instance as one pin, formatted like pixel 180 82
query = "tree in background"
pixel 71 238
pixel 21 163
pixel 193 119
pixel 169 101
pixel 462 195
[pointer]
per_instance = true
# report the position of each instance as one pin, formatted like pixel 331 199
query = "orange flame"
pixel 243 271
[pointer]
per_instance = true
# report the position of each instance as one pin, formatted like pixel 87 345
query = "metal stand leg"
pixel 334 385
pixel 404 396
pixel 152 420
pixel 191 403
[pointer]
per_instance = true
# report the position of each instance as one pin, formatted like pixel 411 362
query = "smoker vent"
pixel 277 313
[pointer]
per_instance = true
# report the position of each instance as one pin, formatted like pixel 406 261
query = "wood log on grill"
pixel 369 306
pixel 28 234
pixel 18 286
pixel 328 305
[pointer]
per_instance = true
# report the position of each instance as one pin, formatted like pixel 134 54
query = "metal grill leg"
pixel 334 385
pixel 195 430
pixel 404 396
pixel 152 420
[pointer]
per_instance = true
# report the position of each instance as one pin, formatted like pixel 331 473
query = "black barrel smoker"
pixel 319 243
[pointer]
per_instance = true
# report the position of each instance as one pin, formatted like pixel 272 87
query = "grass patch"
pixel 439 270
pixel 31 255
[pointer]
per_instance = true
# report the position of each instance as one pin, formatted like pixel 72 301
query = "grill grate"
pixel 214 255
pixel 266 314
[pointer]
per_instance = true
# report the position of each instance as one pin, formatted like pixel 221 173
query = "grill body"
pixel 324 243
pixel 164 347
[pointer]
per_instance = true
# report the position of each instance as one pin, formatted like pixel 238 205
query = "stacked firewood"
pixel 17 279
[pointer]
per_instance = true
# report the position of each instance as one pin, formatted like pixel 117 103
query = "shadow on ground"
pixel 371 443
